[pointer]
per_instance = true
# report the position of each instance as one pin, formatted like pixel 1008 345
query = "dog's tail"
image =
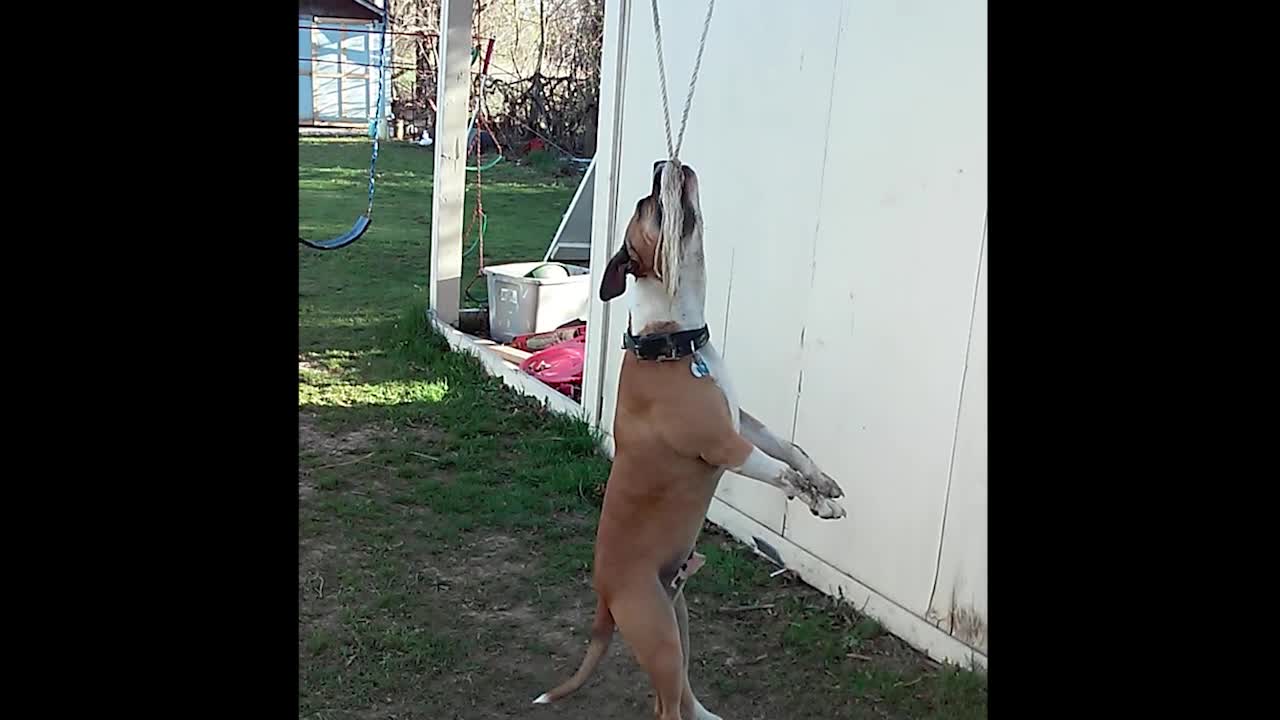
pixel 601 635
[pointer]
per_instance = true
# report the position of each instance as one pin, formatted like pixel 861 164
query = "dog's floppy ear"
pixel 614 282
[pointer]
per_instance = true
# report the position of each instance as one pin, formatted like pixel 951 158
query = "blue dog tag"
pixel 699 367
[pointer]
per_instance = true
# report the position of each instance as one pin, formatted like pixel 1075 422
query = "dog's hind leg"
pixel 689 705
pixel 646 619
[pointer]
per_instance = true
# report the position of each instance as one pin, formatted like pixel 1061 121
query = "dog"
pixel 677 428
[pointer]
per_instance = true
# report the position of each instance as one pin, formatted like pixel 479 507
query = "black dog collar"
pixel 666 346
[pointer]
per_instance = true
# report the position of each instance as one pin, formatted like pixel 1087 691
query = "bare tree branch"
pixel 557 100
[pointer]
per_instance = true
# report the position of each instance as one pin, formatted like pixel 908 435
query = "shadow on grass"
pixel 411 374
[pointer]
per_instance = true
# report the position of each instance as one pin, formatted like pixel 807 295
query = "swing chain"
pixel 377 117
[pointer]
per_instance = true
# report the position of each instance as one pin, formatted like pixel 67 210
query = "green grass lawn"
pixel 446 523
pixel 344 294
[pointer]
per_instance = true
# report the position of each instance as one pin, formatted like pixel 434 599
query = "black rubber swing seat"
pixel 362 223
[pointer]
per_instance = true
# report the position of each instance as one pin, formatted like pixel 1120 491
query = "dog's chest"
pixel 707 363
pixel 690 389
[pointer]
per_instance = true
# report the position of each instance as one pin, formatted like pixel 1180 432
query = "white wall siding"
pixel 959 603
pixel 842 153
pixel 904 195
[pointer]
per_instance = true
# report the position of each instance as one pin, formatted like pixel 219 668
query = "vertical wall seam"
pixel 955 436
pixel 817 227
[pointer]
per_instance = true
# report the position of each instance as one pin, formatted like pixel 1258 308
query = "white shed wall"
pixel 959 602
pixel 842 152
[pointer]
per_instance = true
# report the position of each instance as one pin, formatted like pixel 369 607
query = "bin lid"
pixel 560 363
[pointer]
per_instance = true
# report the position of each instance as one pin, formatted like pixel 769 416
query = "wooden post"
pixel 450 179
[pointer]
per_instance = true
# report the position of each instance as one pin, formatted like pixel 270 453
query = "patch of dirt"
pixel 311 552
pixel 533 643
pixel 309 438
pixel 542 635
pixel 428 435
pixel 306 489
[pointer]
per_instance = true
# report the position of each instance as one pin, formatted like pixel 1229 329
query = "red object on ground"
pixel 559 366
pixel 536 144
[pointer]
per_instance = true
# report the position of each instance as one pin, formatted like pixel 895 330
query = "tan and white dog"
pixel 677 428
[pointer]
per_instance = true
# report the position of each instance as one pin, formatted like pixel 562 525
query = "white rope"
pixel 673 149
pixel 672 184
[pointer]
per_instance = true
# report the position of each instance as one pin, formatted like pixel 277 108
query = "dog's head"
pixel 644 252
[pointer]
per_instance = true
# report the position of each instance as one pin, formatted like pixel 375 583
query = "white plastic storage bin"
pixel 520 304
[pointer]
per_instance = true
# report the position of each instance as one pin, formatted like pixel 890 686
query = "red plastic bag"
pixel 559 366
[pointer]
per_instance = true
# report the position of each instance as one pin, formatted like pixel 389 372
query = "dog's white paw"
pixel 829 486
pixel 701 713
pixel 827 509
pixel 793 484
pixel 820 482
pixel 800 487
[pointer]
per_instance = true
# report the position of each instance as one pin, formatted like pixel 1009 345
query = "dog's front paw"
pixel 827 509
pixel 825 485
pixel 809 493
pixel 792 483
pixel 813 481
pixel 820 482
